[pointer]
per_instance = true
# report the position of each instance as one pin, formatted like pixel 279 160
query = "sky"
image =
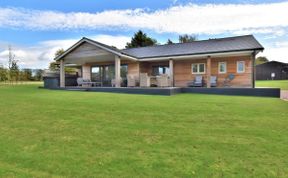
pixel 36 29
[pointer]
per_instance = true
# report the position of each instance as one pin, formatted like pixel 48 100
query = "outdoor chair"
pixel 213 81
pixel 198 81
pixel 131 82
pixel 113 82
pixel 144 80
pixel 227 81
pixel 162 80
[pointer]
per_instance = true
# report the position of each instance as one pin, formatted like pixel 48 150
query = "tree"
pixel 54 66
pixel 11 57
pixel 261 60
pixel 13 66
pixel 169 42
pixel 26 75
pixel 187 38
pixel 14 71
pixel 38 74
pixel 59 52
pixel 141 39
pixel 3 74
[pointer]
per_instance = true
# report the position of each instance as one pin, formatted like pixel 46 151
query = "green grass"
pixel 8 83
pixel 283 84
pixel 45 133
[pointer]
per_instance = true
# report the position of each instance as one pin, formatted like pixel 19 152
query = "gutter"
pixel 204 55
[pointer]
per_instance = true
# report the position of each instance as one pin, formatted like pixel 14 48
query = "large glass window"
pixel 109 73
pixel 198 68
pixel 124 71
pixel 105 73
pixel 96 73
pixel 158 70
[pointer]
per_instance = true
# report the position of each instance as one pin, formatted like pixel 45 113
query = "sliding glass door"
pixel 105 73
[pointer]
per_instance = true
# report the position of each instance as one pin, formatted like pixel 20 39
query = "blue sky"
pixel 35 29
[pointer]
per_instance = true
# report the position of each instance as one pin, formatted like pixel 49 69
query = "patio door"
pixel 104 74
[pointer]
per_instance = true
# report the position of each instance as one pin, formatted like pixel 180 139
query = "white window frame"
pixel 219 64
pixel 198 68
pixel 238 66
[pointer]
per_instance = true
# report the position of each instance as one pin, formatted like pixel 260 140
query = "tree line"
pixel 12 73
pixel 141 39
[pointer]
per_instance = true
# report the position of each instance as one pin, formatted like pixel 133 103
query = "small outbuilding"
pixel 273 70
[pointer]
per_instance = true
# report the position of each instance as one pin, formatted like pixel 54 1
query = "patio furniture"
pixel 227 81
pixel 153 81
pixel 131 81
pixel 113 82
pixel 162 80
pixel 213 81
pixel 198 82
pixel 144 80
pixel 82 82
pixel 98 84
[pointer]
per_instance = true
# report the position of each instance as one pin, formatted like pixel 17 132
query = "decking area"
pixel 168 91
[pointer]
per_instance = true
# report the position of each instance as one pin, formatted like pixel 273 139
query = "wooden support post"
pixel 171 72
pixel 253 72
pixel 86 71
pixel 117 71
pixel 208 71
pixel 62 74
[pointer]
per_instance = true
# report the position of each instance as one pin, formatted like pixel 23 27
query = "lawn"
pixel 45 133
pixel 283 84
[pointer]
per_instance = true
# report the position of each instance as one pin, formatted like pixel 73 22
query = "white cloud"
pixel 40 55
pixel 174 1
pixel 277 52
pixel 276 31
pixel 189 18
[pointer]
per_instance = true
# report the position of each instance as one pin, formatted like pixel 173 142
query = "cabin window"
pixel 123 70
pixel 96 73
pixel 240 66
pixel 222 67
pixel 198 68
pixel 158 70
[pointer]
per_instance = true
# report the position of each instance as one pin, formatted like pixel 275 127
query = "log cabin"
pixel 230 60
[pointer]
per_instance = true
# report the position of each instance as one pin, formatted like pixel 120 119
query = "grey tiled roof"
pixel 238 43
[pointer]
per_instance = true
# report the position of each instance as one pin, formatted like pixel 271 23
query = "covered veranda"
pixel 86 54
pixel 104 66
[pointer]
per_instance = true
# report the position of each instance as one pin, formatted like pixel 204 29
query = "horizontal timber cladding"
pixel 183 71
pixel 86 50
pixel 133 69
